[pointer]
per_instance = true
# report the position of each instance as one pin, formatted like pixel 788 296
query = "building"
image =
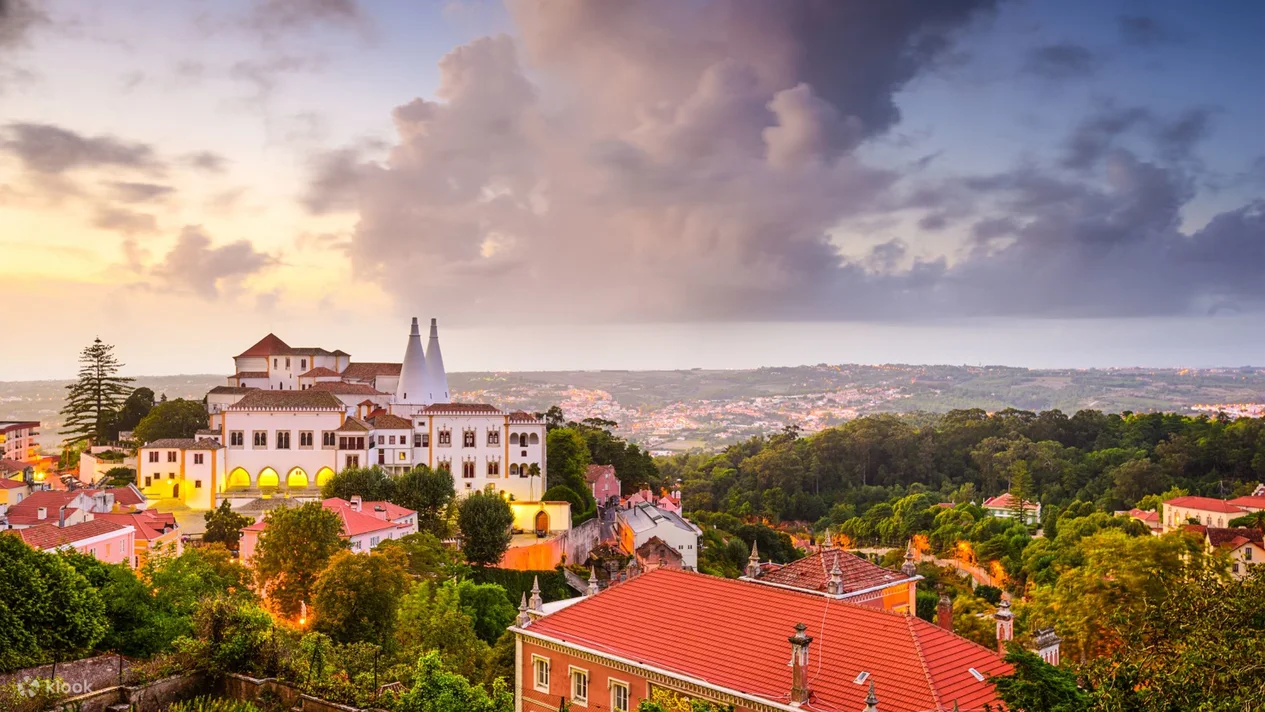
pixel 12 492
pixel 1243 546
pixel 843 576
pixel 17 470
pixel 1003 505
pixel 154 531
pixel 1149 518
pixel 729 643
pixel 107 541
pixel 1210 512
pixel 364 524
pixel 58 507
pixel 290 418
pixel 17 440
pixel 638 524
pixel 100 459
pixel 656 553
pixel 667 501
pixel 1250 503
pixel 603 483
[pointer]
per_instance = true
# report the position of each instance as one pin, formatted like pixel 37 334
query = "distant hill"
pixel 679 410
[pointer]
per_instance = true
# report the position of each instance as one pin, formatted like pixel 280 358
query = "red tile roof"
pixel 1234 537
pixel 812 573
pixel 595 472
pixel 287 400
pixel 127 496
pixel 148 525
pixel 369 370
pixel 522 416
pixel 250 374
pixel 27 511
pixel 386 421
pixel 345 389
pixel 6 483
pixel 320 372
pixel 13 466
pixel 732 634
pixel 267 346
pixel 1249 502
pixel 51 536
pixel 1006 501
pixel 1206 504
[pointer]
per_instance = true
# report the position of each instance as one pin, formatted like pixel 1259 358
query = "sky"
pixel 581 184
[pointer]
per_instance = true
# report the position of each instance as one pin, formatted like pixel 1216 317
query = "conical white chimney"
pixel 412 385
pixel 436 377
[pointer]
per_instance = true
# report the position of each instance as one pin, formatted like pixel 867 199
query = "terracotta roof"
pixel 267 346
pixel 6 483
pixel 522 416
pixel 1206 504
pixel 13 466
pixel 184 444
pixel 353 523
pixel 127 496
pixel 386 421
pixel 148 525
pixel 735 632
pixel 1249 501
pixel 51 536
pixel 390 510
pixel 1234 537
pixel 1145 515
pixel 309 351
pixel 251 374
pixel 287 400
pixel 369 370
pixel 9 425
pixel 462 408
pixel 231 390
pixel 812 573
pixel 353 425
pixel 596 471
pixel 320 372
pixel 26 512
pixel 342 388
pixel 1006 501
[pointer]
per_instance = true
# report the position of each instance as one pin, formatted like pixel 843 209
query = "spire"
pixel 871 700
pixel 592 581
pixel 523 619
pixel 536 603
pixel 835 586
pixel 908 567
pixel 436 378
pixel 753 562
pixel 1005 625
pixel 412 386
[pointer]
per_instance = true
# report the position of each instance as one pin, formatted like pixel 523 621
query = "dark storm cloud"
pixel 193 264
pixel 48 149
pixel 697 161
pixel 1064 60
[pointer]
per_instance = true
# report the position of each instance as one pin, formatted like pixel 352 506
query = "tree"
pixel 96 396
pixel 119 477
pixel 428 557
pixel 134 409
pixel 357 596
pixel 1252 520
pixel 488 607
pixel 179 418
pixel 48 611
pixel 428 492
pixel 437 689
pixel 138 625
pixel 224 526
pixel 484 520
pixel 567 455
pixel 431 618
pixel 371 484
pixel 179 582
pixel 1021 490
pixel 1035 684
pixel 293 549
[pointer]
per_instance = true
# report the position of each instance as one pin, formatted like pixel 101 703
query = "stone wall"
pixel 87 674
pixel 152 697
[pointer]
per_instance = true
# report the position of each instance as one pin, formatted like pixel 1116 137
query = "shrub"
pixel 212 704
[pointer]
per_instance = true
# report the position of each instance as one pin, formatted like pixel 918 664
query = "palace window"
pixel 328 438
pixel 534 439
pixel 467 469
pixel 514 470
pixel 283 439
pixel 403 456
pixel 619 697
pixel 494 468
pixel 467 438
pixel 494 436
pixel 541 667
pixel 197 484
pixel 197 458
pixel 382 440
pixel 445 464
pixel 353 461
pixel 303 364
pixel 236 438
pixel 171 456
pixel 445 437
pixel 579 685
pixel 514 439
pixel 260 438
pixel 305 438
pixel 153 456
pixel 417 439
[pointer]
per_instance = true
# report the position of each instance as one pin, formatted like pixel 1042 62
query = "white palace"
pixel 290 417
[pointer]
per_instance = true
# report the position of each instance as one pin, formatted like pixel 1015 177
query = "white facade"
pixel 639 523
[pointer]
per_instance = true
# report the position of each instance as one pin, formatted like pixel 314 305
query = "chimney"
pixel 799 664
pixel 871 700
pixel 835 586
pixel 61 516
pixel 524 620
pixel 41 513
pixel 753 562
pixel 1005 625
pixel 536 603
pixel 592 581
pixel 355 502
pixel 908 567
pixel 944 612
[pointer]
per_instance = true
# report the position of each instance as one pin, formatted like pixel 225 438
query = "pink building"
pixel 603 482
pixel 109 542
pixel 365 524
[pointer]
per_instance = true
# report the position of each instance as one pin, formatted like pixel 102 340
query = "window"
pixel 445 437
pixel 494 437
pixel 1247 554
pixel 514 439
pixel 353 443
pixel 171 475
pixel 283 439
pixel 467 469
pixel 391 440
pixel 260 438
pixel 197 484
pixel 197 458
pixel 353 461
pixel 403 456
pixel 425 439
pixel 236 438
pixel 467 438
pixel 619 696
pixel 303 364
pixel 305 438
pixel 274 363
pixel 153 456
pixel 579 685
pixel 287 363
pixel 373 541
pixel 513 470
pixel 382 457
pixel 328 438
pixel 382 439
pixel 534 439
pixel 146 482
pixel 417 439
pixel 445 465
pixel 541 666
pixel 494 468
pixel 171 456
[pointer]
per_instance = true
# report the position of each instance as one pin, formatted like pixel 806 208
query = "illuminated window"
pixel 403 456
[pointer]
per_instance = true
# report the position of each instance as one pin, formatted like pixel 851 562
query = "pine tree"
pixel 96 397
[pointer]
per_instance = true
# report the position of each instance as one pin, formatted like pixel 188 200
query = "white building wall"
pixel 255 460
pixel 686 543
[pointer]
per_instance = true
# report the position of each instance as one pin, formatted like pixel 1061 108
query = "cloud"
pixel 1063 60
pixel 1108 125
pixel 195 266
pixel 17 17
pixel 208 161
pixel 49 149
pixel 300 14
pixel 1144 31
pixel 139 192
pixel 124 222
pixel 336 176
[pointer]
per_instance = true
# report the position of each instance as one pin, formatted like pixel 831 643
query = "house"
pixel 1250 503
pixel 17 440
pixel 841 575
pixel 128 499
pixel 1149 518
pixel 739 643
pixel 153 531
pixel 107 541
pixel 655 553
pixel 1244 546
pixel 602 482
pixel 636 525
pixel 1003 505
pixel 1180 511
pixel 12 492
pixel 16 470
pixel 668 501
pixel 58 507
pixel 100 459
pixel 364 524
